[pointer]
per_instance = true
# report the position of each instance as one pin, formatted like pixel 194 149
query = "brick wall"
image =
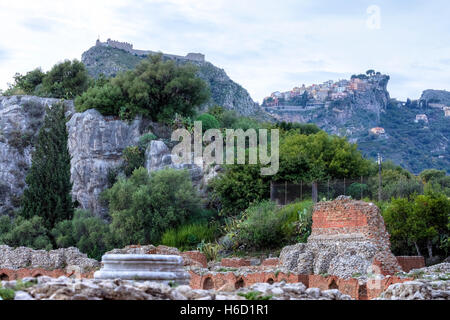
pixel 349 220
pixel 411 262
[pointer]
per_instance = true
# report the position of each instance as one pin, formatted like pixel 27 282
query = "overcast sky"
pixel 264 45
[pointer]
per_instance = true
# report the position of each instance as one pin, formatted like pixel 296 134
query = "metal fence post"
pixel 285 192
pixel 328 190
pixel 361 187
pixel 301 190
pixel 344 188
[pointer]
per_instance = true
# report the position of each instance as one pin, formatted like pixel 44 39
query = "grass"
pixel 187 237
pixel 227 269
pixel 254 295
pixel 9 293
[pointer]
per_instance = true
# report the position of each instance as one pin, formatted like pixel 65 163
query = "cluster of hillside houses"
pixel 319 93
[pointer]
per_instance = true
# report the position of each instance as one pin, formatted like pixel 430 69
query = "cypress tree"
pixel 48 192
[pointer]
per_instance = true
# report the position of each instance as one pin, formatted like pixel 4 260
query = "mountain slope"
pixel 414 144
pixel 224 91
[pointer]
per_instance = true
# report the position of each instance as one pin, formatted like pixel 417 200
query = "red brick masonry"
pixel 364 291
pixel 235 262
pixel 411 262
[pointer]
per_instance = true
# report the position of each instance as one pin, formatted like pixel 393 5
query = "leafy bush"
pixel 145 139
pixel 156 88
pixel 85 231
pixel 189 236
pixel 7 294
pixel 210 250
pixel 208 122
pixel 144 206
pixel 28 233
pixel 134 158
pixel 30 81
pixel 297 226
pixel 238 187
pixel 262 226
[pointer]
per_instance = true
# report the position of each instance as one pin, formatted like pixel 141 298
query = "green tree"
pixel 144 206
pixel 156 88
pixel 421 221
pixel 238 187
pixel 318 156
pixel 48 192
pixel 65 80
pixel 430 219
pixel 30 81
pixel 397 216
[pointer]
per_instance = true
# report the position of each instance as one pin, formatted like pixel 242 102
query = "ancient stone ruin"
pixel 143 267
pixel 348 238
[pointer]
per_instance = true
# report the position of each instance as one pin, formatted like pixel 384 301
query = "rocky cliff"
pixel 347 116
pixel 20 120
pixel 415 145
pixel 95 143
pixel 224 91
pixel 436 96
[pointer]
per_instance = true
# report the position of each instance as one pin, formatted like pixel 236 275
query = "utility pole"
pixel 380 159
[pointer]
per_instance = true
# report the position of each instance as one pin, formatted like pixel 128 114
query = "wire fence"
pixel 284 193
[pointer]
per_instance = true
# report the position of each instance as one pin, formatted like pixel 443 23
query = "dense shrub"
pixel 28 82
pixel 28 233
pixel 156 88
pixel 297 226
pixel 262 226
pixel 144 206
pixel 208 122
pixel 134 158
pixel 189 236
pixel 85 231
pixel 238 187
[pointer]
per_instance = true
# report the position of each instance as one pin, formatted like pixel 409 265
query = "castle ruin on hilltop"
pixel 128 47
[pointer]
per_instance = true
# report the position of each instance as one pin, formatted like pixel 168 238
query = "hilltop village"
pixel 323 94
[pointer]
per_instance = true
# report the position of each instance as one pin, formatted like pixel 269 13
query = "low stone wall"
pixel 411 262
pixel 15 274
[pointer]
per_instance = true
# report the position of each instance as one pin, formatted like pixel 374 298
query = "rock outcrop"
pixel 20 120
pixel 158 156
pixel 348 237
pixel 96 144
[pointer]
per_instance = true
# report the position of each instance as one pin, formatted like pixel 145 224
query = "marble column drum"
pixel 143 267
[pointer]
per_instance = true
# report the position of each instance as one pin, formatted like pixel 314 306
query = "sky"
pixel 263 45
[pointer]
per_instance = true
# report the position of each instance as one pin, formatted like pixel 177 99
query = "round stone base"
pixel 143 267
